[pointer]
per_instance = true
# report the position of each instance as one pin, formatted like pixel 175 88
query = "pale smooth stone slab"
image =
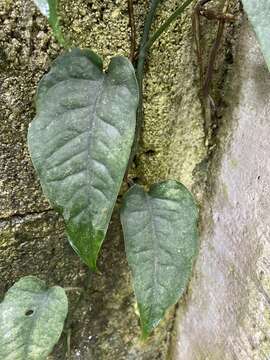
pixel 226 315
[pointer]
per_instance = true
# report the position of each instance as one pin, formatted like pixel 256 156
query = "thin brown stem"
pixel 196 24
pixel 132 30
pixel 213 15
pixel 206 74
pixel 197 39
pixel 214 50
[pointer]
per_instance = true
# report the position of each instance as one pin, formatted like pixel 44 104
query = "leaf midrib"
pixel 155 247
pixel 91 129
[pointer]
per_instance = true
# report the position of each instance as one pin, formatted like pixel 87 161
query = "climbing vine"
pixel 82 142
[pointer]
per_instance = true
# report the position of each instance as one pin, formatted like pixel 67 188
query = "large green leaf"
pixel 49 9
pixel 31 319
pixel 80 142
pixel 160 231
pixel 259 14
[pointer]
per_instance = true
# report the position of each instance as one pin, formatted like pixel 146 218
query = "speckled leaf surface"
pixel 160 231
pixel 80 142
pixel 49 9
pixel 258 12
pixel 31 319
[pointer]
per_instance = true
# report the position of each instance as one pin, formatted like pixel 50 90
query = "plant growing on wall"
pixel 31 319
pixel 81 142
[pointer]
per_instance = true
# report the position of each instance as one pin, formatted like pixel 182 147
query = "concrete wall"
pixel 226 314
pixel 32 239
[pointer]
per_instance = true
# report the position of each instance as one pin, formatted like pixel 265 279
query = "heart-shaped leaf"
pixel 160 231
pixel 31 319
pixel 80 142
pixel 49 9
pixel 259 14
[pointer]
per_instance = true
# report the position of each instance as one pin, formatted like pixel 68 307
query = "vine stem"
pixel 214 50
pixel 208 104
pixel 132 30
pixel 145 45
pixel 164 27
pixel 143 52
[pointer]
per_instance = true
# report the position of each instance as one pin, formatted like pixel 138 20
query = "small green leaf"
pixel 258 12
pixel 80 142
pixel 31 319
pixel 48 8
pixel 161 241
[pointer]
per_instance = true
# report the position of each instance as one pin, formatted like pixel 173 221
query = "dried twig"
pixel 214 50
pixel 132 30
pixel 207 75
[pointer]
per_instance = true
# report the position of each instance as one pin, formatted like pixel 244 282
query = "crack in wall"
pixel 19 218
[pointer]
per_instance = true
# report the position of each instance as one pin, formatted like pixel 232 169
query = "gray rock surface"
pixel 226 314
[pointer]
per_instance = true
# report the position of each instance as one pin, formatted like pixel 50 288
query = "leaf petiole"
pixel 145 45
pixel 49 9
pixel 164 27
pixel 140 74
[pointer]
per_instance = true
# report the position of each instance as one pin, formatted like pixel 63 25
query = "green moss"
pixel 233 163
pixel 172 145
pixel 173 136
pixel 224 192
pixel 5 239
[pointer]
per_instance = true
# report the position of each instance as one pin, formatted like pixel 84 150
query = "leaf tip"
pixel 92 264
pixel 86 241
pixel 145 334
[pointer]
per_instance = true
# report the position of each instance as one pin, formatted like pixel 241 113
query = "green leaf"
pixel 31 319
pixel 80 142
pixel 160 231
pixel 259 14
pixel 49 9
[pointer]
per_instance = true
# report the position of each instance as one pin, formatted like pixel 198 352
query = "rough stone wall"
pixel 227 309
pixel 32 239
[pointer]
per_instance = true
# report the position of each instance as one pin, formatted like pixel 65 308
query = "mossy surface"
pixel 32 236
pixel 105 324
pixel 227 309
